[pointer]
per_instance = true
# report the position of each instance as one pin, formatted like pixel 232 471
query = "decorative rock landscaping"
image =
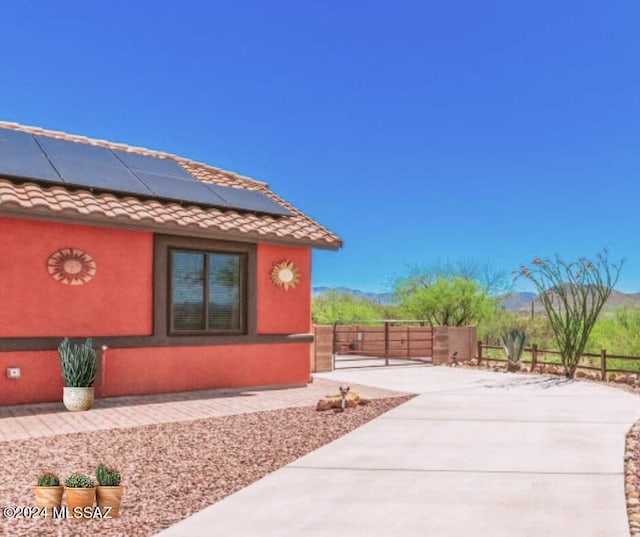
pixel 172 470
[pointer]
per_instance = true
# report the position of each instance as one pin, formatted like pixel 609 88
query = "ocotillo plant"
pixel 573 295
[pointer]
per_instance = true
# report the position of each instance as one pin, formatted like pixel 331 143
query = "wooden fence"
pixel 603 363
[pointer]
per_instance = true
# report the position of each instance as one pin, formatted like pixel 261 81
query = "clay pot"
pixel 77 497
pixel 76 399
pixel 110 497
pixel 49 497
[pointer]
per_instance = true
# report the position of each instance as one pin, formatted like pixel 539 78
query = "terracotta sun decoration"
pixel 285 274
pixel 71 266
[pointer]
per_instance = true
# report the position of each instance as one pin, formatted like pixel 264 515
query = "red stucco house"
pixel 187 290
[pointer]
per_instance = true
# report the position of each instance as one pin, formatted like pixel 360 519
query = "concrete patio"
pixel 476 453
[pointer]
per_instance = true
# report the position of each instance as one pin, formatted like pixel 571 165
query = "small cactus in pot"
pixel 48 493
pixel 81 493
pixel 109 491
pixel 49 480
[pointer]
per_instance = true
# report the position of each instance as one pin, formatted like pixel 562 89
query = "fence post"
pixel 479 352
pixel 534 357
pixel 356 343
pixel 408 342
pixel 603 364
pixel 333 347
pixel 386 343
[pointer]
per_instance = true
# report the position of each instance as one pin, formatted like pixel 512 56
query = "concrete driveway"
pixel 475 453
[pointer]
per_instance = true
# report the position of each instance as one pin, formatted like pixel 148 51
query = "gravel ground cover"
pixel 171 470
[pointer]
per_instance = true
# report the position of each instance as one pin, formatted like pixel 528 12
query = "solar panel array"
pixel 77 164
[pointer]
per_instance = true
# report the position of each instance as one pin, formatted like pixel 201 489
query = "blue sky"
pixel 417 130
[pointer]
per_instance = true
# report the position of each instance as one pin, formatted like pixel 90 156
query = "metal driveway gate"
pixel 380 343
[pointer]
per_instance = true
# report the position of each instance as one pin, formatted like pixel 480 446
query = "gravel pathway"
pixel 171 470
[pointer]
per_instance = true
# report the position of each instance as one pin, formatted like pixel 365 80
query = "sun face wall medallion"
pixel 285 274
pixel 71 266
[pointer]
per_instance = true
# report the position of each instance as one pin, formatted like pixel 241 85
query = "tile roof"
pixel 58 202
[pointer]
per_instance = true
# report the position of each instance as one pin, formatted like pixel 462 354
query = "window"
pixel 207 292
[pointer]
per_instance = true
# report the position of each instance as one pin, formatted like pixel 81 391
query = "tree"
pixel 452 301
pixel 340 307
pixel 619 332
pixel 573 295
pixel 492 279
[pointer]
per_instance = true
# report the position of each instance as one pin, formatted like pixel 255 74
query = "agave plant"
pixel 78 363
pixel 48 480
pixel 513 343
pixel 107 477
pixel 79 481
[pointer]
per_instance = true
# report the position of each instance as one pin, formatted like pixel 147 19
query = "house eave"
pixel 187 230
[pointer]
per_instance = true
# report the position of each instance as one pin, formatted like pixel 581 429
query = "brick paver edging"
pixel 21 422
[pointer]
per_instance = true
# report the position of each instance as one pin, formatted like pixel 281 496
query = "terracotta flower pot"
pixel 75 399
pixel 109 497
pixel 49 497
pixel 77 497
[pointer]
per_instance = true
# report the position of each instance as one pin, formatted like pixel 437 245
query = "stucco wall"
pixel 159 370
pixel 171 369
pixel 116 302
pixel 280 311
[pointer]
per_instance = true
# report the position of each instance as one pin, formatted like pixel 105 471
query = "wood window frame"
pixel 172 331
pixel 163 246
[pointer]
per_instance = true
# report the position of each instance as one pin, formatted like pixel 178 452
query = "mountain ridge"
pixel 517 301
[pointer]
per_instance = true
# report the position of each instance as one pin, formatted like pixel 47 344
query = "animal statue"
pixel 346 398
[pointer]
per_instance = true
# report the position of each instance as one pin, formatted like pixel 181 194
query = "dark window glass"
pixel 224 292
pixel 188 291
pixel 206 291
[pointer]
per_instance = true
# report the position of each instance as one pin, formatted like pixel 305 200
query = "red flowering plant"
pixel 572 294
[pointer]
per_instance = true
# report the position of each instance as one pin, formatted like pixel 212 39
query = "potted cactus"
pixel 81 493
pixel 48 493
pixel 79 365
pixel 109 491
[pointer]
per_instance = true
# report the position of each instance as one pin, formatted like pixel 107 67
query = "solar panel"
pixel 180 190
pixel 157 174
pixel 249 200
pixel 90 165
pixel 69 162
pixel 153 165
pixel 20 156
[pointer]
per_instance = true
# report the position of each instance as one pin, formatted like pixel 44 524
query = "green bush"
pixel 342 307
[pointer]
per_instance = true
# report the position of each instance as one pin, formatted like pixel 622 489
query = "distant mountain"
pixel 522 301
pixel 517 301
pixel 379 298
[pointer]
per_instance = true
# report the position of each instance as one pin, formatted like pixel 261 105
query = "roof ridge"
pixel 30 129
